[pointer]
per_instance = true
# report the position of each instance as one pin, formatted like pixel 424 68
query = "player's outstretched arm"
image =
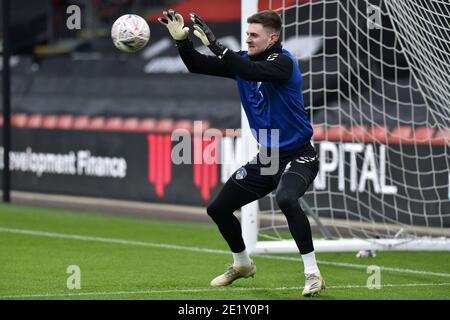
pixel 194 60
pixel 277 68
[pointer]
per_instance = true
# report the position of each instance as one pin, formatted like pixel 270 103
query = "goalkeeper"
pixel 269 84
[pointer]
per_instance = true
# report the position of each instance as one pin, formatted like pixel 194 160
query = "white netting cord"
pixel 423 28
pixel 422 39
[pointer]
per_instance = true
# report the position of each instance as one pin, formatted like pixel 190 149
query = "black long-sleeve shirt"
pixel 270 65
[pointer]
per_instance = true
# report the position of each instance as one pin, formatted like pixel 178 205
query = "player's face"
pixel 259 38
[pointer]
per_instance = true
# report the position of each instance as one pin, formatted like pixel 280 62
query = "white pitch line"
pixel 80 294
pixel 361 266
pixel 205 250
pixel 110 240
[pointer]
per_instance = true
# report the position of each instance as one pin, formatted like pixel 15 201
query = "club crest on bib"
pixel 240 174
pixel 272 57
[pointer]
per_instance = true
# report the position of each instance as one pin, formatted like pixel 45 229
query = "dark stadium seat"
pixel 318 132
pixel 114 123
pixel 81 122
pixel 131 124
pixel 336 133
pixel 442 136
pixel 424 135
pixel 401 134
pixel 165 125
pixel 147 124
pixel 50 122
pixel 65 121
pixel 360 134
pixel 35 121
pixel 19 120
pixel 185 124
pixel 97 123
pixel 379 134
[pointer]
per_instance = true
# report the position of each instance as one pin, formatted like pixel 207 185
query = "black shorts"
pixel 253 176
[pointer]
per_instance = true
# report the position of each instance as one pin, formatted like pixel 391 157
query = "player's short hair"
pixel 268 18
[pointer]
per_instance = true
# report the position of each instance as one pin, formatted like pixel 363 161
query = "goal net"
pixel 376 84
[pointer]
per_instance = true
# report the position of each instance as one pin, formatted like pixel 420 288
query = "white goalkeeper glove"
pixel 201 35
pixel 174 22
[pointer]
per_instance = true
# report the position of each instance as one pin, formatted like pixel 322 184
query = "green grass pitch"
pixel 135 258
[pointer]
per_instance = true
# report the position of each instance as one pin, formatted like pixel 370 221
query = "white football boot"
pixel 314 284
pixel 234 273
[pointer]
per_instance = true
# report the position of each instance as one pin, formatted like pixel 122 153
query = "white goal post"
pixel 376 83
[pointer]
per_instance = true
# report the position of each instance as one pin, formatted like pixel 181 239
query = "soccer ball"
pixel 130 33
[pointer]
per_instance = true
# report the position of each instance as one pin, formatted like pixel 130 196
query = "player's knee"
pixel 286 202
pixel 212 210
